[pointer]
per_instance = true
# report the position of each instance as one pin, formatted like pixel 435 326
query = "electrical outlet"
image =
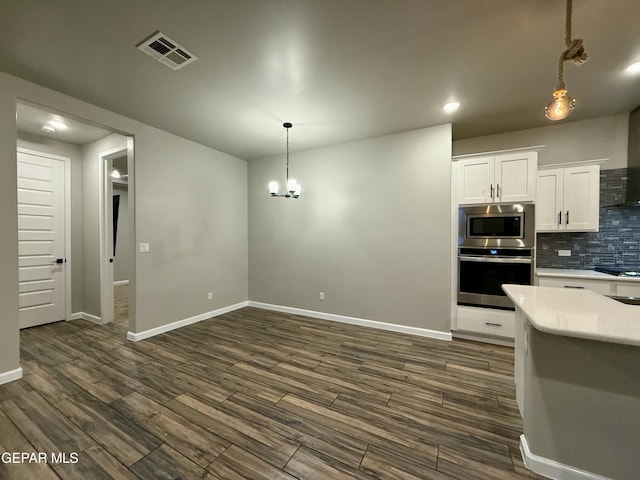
pixel 564 253
pixel 143 248
pixel 322 296
pixel 210 296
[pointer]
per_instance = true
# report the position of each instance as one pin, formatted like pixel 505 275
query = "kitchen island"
pixel 577 374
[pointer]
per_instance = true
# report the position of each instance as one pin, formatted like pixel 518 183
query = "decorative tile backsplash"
pixel 616 244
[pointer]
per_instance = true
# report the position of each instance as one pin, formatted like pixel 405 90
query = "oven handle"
pixel 467 258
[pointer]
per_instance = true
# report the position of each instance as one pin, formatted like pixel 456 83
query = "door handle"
pixel 58 261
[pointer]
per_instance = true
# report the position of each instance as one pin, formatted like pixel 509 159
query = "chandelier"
pixel 562 104
pixel 293 188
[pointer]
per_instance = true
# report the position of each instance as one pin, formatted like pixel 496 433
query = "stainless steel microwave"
pixel 497 225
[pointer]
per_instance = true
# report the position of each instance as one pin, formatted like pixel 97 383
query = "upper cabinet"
pixel 568 199
pixel 497 178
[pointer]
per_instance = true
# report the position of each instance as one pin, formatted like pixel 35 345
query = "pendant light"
pixel 293 188
pixel 562 104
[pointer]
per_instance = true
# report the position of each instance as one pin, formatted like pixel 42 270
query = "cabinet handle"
pixel 497 189
pixel 493 324
pixel 560 217
pixel 566 219
pixel 573 286
pixel 491 190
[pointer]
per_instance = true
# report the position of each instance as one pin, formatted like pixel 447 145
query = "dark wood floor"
pixel 260 395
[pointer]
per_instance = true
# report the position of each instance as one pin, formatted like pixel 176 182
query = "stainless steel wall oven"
pixel 495 246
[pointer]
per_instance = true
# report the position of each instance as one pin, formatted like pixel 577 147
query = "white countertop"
pixel 577 313
pixel 584 274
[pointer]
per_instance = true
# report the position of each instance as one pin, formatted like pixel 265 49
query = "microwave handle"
pixel 471 258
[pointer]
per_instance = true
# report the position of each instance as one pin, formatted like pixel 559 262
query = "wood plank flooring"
pixel 254 395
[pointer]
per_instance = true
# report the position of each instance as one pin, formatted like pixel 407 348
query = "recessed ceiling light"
pixel 451 107
pixel 58 124
pixel 47 128
pixel 633 68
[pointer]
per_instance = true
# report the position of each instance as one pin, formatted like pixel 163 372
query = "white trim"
pixel 135 337
pixel 10 376
pixel 535 148
pixel 121 282
pixel 67 220
pixel 86 316
pixel 106 267
pixel 581 163
pixel 551 468
pixel 421 332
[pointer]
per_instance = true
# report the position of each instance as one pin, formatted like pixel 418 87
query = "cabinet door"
pixel 581 198
pixel 475 180
pixel 515 177
pixel 549 200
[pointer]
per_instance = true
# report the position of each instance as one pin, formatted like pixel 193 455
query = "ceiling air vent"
pixel 166 51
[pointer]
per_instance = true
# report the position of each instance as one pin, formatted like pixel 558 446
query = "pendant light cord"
pixel 287 156
pixel 575 51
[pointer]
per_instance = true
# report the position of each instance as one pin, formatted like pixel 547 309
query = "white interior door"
pixel 41 240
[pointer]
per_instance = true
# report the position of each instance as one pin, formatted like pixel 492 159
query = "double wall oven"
pixel 495 246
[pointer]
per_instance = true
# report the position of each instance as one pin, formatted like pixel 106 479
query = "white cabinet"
pixel 486 321
pixel 568 199
pixel 498 178
pixel 604 287
pixel 607 286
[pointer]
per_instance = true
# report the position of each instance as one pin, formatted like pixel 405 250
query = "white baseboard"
pixel 421 332
pixel 135 337
pixel 121 282
pixel 10 376
pixel 86 316
pixel 551 468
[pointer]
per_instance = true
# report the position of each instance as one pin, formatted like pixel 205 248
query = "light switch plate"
pixel 564 253
pixel 143 247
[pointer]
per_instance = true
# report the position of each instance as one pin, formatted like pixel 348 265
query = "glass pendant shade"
pixel 291 185
pixel 274 188
pixel 560 107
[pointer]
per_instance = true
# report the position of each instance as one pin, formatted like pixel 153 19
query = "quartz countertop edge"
pixel 577 313
pixel 585 274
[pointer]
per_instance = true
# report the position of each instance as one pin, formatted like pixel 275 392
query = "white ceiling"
pixel 339 70
pixel 30 119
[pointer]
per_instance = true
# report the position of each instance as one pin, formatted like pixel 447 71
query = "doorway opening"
pixel 84 148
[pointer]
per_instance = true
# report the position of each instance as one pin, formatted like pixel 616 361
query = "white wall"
pixel 604 137
pixel 190 205
pixel 371 230
pixel 9 338
pixel 91 217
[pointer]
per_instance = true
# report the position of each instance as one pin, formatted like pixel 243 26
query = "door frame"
pixel 67 221
pixel 107 313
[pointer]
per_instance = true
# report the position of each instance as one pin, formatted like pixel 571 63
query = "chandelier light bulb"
pixel 560 107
